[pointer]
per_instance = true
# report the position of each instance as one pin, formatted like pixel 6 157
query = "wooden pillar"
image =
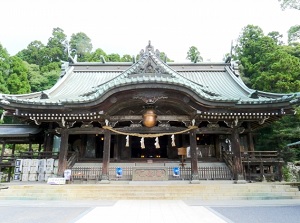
pixel 106 156
pixel 279 171
pixel 169 148
pixel 218 147
pixel 63 152
pixel 237 160
pixel 250 138
pixel 90 151
pixel 116 147
pixel 82 146
pixel 194 157
pixel 2 151
pixel 13 149
pixel 48 142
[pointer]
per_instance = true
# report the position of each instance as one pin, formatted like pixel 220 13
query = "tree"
pixel 36 80
pixel 277 37
pixel 194 55
pixel 56 46
pixel 81 43
pixel 266 63
pixel 294 34
pixel 17 81
pixel 163 57
pixel 271 66
pixel 292 4
pixel 251 46
pixel 126 58
pixel 96 55
pixel 4 69
pixel 51 77
pixel 113 57
pixel 34 53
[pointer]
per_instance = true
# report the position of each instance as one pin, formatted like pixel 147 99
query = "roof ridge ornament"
pixel 148 50
pixel 149 47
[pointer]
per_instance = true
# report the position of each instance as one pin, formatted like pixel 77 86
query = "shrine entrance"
pixel 149 147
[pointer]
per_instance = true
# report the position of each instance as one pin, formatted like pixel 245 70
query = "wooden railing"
pixel 205 173
pixel 257 165
pixel 228 159
pixel 38 155
pixel 9 160
pixel 262 165
pixel 258 155
pixel 73 158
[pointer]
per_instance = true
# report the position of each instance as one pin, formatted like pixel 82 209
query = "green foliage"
pixel 34 53
pixel 126 58
pixel 113 57
pixel 96 55
pixel 293 49
pixel 293 34
pixel 56 46
pixel 269 65
pixel 286 173
pixel 17 81
pixel 39 54
pixel 4 69
pixel 194 55
pixel 52 77
pixel 82 45
pixel 36 79
pixel 276 36
pixel 163 57
pixel 278 135
pixel 292 4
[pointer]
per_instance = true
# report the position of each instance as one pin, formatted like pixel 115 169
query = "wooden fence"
pixel 205 173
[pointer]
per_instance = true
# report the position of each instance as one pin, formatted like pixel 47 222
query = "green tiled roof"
pixel 87 82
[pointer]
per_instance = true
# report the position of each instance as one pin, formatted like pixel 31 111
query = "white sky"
pixel 126 26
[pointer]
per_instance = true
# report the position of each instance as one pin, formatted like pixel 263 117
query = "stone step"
pixel 226 191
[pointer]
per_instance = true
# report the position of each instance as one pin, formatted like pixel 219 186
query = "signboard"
pixel 67 174
pixel 119 172
pixel 176 172
pixel 56 181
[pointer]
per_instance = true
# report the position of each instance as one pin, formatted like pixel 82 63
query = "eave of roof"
pixel 17 130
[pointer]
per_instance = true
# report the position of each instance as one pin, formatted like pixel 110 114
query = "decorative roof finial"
pixel 149 48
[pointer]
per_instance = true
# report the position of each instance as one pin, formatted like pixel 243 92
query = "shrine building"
pixel 148 115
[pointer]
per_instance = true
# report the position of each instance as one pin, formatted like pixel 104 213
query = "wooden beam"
pixel 178 118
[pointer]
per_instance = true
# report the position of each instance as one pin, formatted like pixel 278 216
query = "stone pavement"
pixel 145 211
pixel 151 211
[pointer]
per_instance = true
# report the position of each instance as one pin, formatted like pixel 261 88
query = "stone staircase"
pixel 206 190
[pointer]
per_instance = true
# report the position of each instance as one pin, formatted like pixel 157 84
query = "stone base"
pixel 240 181
pixel 104 182
pixel 149 173
pixel 195 182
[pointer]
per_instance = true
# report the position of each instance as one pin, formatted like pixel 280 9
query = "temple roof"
pixel 18 130
pixel 85 82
